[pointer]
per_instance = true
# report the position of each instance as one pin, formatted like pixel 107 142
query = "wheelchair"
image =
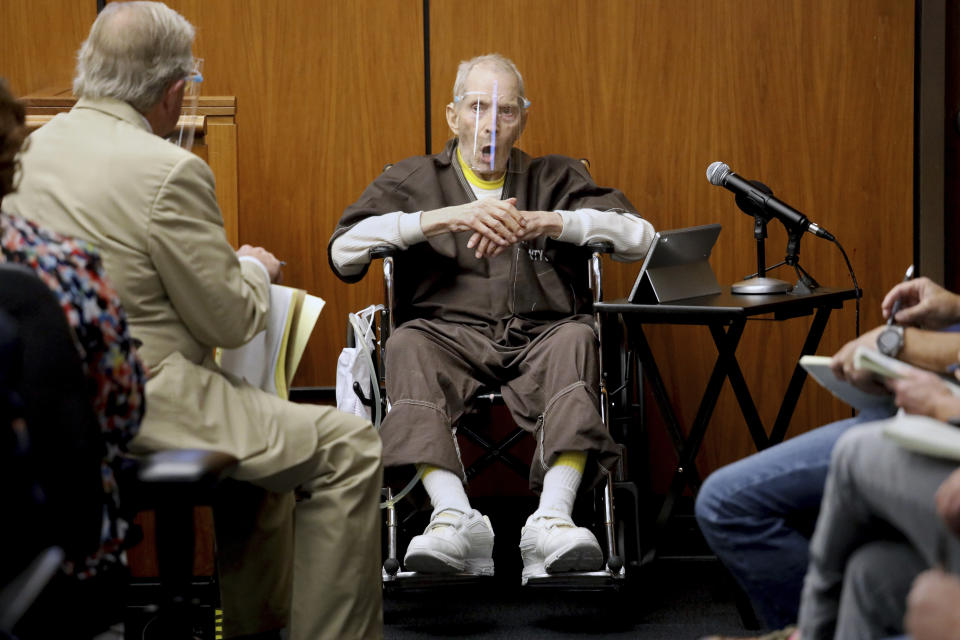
pixel 620 538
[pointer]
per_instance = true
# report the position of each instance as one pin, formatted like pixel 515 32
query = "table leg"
pixel 638 341
pixel 686 469
pixel 792 395
pixel 728 354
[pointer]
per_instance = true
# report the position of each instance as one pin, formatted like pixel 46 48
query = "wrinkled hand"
pixel 924 393
pixel 948 501
pixel 923 303
pixel 266 258
pixel 932 612
pixel 497 222
pixel 536 224
pixel 541 223
pixel 842 364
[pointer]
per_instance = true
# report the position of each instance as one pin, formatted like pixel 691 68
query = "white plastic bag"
pixel 355 364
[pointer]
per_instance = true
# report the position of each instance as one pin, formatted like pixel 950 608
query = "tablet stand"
pixel 666 284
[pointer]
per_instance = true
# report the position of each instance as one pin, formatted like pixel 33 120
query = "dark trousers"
pixel 549 381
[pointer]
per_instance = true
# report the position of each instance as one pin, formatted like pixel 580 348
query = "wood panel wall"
pixel 813 97
pixel 327 93
pixel 40 41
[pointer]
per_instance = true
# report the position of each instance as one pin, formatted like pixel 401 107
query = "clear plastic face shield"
pixel 488 124
pixel 183 134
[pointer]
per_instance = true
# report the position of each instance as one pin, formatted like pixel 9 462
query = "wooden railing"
pixel 215 140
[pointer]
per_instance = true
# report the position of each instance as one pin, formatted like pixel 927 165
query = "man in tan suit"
pixel 102 173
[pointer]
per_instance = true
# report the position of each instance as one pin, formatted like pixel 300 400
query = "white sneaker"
pixel 453 542
pixel 551 544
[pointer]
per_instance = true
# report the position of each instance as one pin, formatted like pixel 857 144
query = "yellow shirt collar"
pixel 476 180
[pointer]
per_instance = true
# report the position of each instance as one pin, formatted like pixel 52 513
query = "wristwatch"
pixel 890 340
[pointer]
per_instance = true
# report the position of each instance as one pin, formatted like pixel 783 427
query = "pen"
pixel 896 303
pixel 941 553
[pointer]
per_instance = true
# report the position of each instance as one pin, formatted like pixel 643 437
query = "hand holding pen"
pixel 898 301
pixel 267 259
pixel 920 302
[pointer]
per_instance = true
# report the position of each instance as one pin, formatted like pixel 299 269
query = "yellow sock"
pixel 560 484
pixel 424 469
pixel 575 459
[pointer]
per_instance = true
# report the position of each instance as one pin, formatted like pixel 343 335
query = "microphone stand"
pixel 805 282
pixel 758 283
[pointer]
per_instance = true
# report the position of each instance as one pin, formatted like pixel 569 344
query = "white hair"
pixel 494 59
pixel 134 51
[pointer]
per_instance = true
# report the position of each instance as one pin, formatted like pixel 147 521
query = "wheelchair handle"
pixel 382 251
pixel 600 246
pixel 364 400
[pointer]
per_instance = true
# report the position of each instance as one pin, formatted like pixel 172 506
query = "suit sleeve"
pixel 222 302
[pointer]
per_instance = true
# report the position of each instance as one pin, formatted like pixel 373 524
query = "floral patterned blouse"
pixel 73 271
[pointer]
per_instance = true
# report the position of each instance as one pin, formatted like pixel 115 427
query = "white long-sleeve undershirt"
pixel 629 234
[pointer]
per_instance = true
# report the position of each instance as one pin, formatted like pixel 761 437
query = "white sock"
pixel 560 486
pixel 445 490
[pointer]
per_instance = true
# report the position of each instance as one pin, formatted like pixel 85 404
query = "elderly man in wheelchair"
pixel 491 247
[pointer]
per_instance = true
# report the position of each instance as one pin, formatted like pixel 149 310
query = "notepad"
pixel 863 358
pixel 819 369
pixel 924 435
pixel 885 366
pixel 917 433
pixel 270 360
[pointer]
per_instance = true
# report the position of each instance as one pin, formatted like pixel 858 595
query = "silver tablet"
pixel 677 266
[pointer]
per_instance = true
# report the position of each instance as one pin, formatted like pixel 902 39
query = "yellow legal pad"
pixel 271 358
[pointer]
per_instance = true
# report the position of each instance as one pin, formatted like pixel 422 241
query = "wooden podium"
pixel 215 140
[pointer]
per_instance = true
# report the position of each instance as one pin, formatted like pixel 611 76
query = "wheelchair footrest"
pixel 578 580
pixel 415 580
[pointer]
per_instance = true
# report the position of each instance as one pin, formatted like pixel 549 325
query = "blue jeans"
pixel 757 514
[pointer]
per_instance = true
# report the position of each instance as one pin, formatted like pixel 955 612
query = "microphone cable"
pixel 720 175
pixel 856 287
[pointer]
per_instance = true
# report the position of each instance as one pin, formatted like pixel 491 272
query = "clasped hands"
pixel 496 224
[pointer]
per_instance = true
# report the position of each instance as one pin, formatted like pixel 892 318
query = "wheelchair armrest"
pixel 597 248
pixel 383 251
pixel 183 467
pixel 173 482
pixel 600 246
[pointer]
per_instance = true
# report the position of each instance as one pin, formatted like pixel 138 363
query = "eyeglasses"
pixel 508 108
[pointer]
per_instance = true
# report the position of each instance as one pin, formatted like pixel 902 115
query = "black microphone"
pixel 720 175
